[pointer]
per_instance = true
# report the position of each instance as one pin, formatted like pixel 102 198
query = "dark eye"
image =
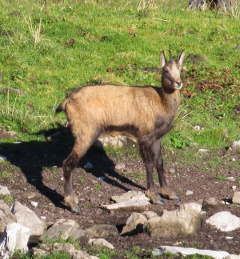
pixel 166 70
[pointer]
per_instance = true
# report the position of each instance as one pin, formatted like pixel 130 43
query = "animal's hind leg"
pixel 80 147
pixel 68 166
pixel 158 162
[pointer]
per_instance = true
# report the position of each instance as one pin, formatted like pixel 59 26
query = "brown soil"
pixel 36 168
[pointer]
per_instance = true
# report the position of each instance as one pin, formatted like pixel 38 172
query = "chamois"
pixel 145 112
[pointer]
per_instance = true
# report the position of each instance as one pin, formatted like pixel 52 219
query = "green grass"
pixel 8 199
pixel 47 51
pixel 221 178
pixel 98 187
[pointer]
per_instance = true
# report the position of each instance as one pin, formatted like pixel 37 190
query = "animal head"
pixel 171 75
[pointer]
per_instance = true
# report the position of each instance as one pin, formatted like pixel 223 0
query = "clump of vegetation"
pixel 8 199
pixel 49 49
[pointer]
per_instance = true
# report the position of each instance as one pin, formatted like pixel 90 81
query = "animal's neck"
pixel 171 100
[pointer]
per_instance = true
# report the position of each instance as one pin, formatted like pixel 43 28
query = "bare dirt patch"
pixel 34 172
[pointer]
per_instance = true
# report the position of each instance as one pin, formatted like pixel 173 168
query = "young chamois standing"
pixel 145 112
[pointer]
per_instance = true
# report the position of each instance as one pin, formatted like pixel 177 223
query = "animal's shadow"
pixel 33 156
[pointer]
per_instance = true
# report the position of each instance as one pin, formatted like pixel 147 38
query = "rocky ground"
pixel 33 172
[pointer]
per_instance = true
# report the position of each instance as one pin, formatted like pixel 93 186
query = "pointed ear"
pixel 181 57
pixel 162 59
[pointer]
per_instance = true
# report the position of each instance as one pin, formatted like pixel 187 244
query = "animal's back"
pixel 115 107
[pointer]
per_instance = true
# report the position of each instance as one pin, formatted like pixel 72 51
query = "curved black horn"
pixel 178 55
pixel 171 57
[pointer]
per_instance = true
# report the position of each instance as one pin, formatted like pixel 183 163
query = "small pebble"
pixel 4 190
pixel 31 195
pixel 188 192
pixel 120 166
pixel 88 165
pixel 197 127
pixel 231 178
pixel 34 204
pixel 202 150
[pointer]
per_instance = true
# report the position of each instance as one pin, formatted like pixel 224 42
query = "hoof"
pixel 71 201
pixel 160 202
pixel 169 194
pixel 153 196
pixel 176 198
pixel 74 207
pixel 75 210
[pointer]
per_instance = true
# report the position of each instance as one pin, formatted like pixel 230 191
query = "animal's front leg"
pixel 165 190
pixel 151 192
pixel 147 156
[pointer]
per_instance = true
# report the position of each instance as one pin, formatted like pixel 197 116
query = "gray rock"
pixel 202 150
pixel 15 237
pixel 224 221
pixel 172 170
pixel 236 197
pixel 47 249
pixel 80 235
pixel 185 220
pixel 150 214
pixel 120 166
pixel 8 134
pixel 82 255
pixel 70 249
pixel 231 178
pixel 197 128
pixel 175 250
pixel 63 228
pixel 102 231
pixel 196 4
pixel 100 242
pixel 6 216
pixel 28 218
pixel 30 195
pixel 38 252
pixel 188 192
pixel 235 147
pixel 137 205
pixel 34 204
pixel 116 141
pixel 210 203
pixel 134 223
pixel 64 248
pixel 130 195
pixel 4 190
pixel 232 257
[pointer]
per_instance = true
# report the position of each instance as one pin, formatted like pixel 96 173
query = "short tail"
pixel 62 106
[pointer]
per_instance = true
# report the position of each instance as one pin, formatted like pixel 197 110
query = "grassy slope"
pixel 47 51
